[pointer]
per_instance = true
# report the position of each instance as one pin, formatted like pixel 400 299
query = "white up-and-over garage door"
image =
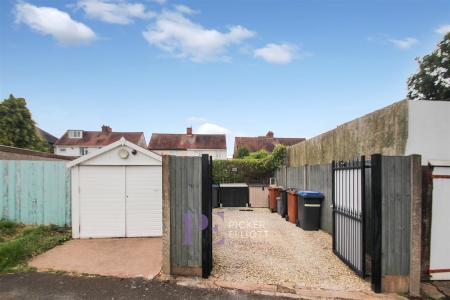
pixel 120 201
pixel 117 192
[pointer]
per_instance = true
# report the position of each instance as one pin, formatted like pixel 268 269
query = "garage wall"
pixel 428 130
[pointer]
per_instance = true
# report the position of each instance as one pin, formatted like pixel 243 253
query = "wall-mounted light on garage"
pixel 123 153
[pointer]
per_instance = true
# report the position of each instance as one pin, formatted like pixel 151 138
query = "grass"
pixel 18 243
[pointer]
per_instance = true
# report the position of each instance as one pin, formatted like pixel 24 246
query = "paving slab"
pixel 443 286
pixel 121 257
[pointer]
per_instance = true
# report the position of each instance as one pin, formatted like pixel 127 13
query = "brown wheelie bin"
pixel 292 206
pixel 274 192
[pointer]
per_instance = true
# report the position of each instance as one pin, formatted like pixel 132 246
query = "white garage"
pixel 117 192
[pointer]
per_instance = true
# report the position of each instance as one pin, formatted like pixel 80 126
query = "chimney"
pixel 106 129
pixel 269 134
pixel 189 130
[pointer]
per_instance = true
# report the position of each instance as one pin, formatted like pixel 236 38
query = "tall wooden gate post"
pixel 166 253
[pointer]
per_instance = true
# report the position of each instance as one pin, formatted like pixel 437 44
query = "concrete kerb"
pixel 275 289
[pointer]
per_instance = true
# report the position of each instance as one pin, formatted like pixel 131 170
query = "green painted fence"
pixel 35 192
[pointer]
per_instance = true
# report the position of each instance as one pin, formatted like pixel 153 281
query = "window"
pixel 83 151
pixel 62 149
pixel 75 134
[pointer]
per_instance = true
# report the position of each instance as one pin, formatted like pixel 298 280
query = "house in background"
pixel 47 137
pixel 267 142
pixel 80 142
pixel 189 144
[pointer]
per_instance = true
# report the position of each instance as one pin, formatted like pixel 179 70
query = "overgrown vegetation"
pixel 255 167
pixel 18 243
pixel 17 126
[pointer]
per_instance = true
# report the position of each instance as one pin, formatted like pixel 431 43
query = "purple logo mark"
pixel 188 227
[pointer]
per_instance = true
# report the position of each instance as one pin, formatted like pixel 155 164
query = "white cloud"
pixel 405 43
pixel 443 29
pixel 114 11
pixel 277 53
pixel 185 9
pixel 177 35
pixel 210 128
pixel 51 21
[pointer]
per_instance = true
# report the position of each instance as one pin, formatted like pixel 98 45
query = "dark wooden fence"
pixel 187 235
pixel 396 223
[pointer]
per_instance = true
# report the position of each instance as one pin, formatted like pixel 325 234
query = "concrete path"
pixel 122 257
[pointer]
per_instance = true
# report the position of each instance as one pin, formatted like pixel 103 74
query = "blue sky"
pixel 298 67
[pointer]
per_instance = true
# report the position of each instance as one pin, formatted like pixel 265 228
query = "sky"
pixel 240 67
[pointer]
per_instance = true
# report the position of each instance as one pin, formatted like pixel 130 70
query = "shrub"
pixel 242 152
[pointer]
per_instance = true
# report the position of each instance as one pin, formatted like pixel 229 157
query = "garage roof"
pixel 119 143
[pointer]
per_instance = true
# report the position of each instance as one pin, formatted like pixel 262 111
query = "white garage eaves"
pixel 120 143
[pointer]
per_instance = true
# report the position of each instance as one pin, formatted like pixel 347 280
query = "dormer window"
pixel 75 134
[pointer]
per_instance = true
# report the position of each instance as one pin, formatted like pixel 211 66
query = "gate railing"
pixel 349 210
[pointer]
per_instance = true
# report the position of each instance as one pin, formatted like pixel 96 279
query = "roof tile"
pixel 99 138
pixel 164 141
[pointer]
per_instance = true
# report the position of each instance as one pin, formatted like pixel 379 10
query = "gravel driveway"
pixel 261 247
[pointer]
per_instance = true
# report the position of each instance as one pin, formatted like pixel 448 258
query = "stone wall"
pixel 383 131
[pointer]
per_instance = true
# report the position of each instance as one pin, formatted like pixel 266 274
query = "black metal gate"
pixel 349 211
pixel 207 261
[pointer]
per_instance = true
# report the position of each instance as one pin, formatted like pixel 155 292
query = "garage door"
pixel 144 201
pixel 119 201
pixel 102 201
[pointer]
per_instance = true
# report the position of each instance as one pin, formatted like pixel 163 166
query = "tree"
pixel 432 81
pixel 242 152
pixel 17 127
pixel 279 155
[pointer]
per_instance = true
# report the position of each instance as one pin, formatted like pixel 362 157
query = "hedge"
pixel 249 169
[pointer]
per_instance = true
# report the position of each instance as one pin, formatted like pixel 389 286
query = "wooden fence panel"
pixel 185 188
pixel 35 192
pixel 396 215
